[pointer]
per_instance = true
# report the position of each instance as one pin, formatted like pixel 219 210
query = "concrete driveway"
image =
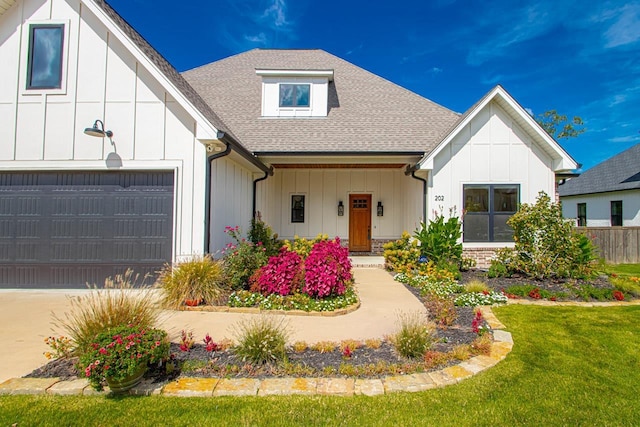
pixel 26 316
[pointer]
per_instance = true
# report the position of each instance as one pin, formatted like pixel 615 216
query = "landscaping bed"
pixel 519 286
pixel 370 359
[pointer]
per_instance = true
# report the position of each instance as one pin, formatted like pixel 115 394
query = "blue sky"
pixel 579 57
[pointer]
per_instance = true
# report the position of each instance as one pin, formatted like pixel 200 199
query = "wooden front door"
pixel 360 222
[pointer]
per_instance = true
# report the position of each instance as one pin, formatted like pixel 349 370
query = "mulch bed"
pixel 500 284
pixel 309 362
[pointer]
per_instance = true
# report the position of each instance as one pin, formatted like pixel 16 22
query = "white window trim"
pixel 24 62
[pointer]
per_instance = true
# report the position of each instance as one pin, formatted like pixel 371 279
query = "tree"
pixel 559 125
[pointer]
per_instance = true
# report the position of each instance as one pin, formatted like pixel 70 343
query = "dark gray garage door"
pixel 66 229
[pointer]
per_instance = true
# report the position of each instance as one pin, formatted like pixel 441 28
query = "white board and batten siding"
pixel 231 201
pixel 599 207
pixel 491 149
pixel 324 188
pixel 43 130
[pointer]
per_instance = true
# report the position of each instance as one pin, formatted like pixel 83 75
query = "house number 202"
pixel 439 198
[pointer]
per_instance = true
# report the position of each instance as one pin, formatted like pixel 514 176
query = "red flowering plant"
pixel 618 295
pixel 327 269
pixel 282 275
pixel 118 353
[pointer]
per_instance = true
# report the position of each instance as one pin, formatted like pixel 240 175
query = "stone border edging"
pixel 212 387
pixel 256 310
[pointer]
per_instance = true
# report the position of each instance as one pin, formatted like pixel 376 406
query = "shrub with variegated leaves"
pixel 328 269
pixel 282 275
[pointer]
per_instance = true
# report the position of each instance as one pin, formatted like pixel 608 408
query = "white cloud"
pixel 258 23
pixel 626 28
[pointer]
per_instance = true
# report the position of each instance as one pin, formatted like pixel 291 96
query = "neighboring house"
pixel 307 140
pixel 606 195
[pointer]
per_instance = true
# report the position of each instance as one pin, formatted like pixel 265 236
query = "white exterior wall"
pixel 231 201
pixel 599 207
pixel 324 188
pixel 43 130
pixel 491 149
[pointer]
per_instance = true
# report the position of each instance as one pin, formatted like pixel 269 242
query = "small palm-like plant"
pixel 199 279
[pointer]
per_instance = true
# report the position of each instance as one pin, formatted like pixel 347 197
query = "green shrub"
pixel 441 310
pixel 121 302
pixel 415 335
pixel 260 234
pixel 546 244
pixel 628 285
pixel 401 255
pixel 588 292
pixel 498 268
pixel 440 240
pixel 241 259
pixel 201 278
pixel 261 339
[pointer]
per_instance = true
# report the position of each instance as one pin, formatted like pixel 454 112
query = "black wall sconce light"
pixel 340 208
pixel 98 131
pixel 380 209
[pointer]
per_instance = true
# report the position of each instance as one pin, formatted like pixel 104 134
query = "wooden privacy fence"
pixel 617 245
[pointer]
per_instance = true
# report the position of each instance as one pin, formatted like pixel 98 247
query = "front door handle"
pixel 369 233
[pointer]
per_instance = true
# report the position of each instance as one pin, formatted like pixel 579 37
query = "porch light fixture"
pixel 340 208
pixel 380 209
pixel 98 132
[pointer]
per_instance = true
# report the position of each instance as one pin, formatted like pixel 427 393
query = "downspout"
pixel 412 171
pixel 207 214
pixel 255 185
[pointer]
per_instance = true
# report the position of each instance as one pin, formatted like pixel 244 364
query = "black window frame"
pixel 294 96
pixel 31 51
pixel 616 218
pixel 581 214
pixel 297 208
pixel 491 212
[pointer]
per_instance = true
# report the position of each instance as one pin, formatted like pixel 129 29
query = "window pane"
pixel 476 199
pixel 501 231
pixel 286 95
pixel 302 95
pixel 505 199
pixel 45 66
pixel 297 208
pixel 582 214
pixel 476 228
pixel 616 213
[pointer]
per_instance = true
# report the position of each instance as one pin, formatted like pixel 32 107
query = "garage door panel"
pixel 69 229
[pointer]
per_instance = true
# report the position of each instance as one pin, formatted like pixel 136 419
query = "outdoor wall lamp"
pixel 98 131
pixel 340 208
pixel 380 209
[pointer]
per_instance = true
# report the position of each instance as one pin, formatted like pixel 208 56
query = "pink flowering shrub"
pixel 282 275
pixel 327 269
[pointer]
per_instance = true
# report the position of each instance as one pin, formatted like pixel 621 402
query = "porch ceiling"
pixel 5 5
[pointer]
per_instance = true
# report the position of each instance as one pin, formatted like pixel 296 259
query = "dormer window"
pixel 294 95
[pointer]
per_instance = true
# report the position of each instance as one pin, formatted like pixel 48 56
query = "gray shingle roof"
pixel 621 172
pixel 367 113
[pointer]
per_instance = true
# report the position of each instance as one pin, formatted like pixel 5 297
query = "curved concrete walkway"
pixel 25 320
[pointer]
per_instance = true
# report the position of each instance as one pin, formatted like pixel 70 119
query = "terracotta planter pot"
pixel 127 383
pixel 192 302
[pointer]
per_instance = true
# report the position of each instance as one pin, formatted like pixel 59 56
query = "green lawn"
pixel 569 366
pixel 624 269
